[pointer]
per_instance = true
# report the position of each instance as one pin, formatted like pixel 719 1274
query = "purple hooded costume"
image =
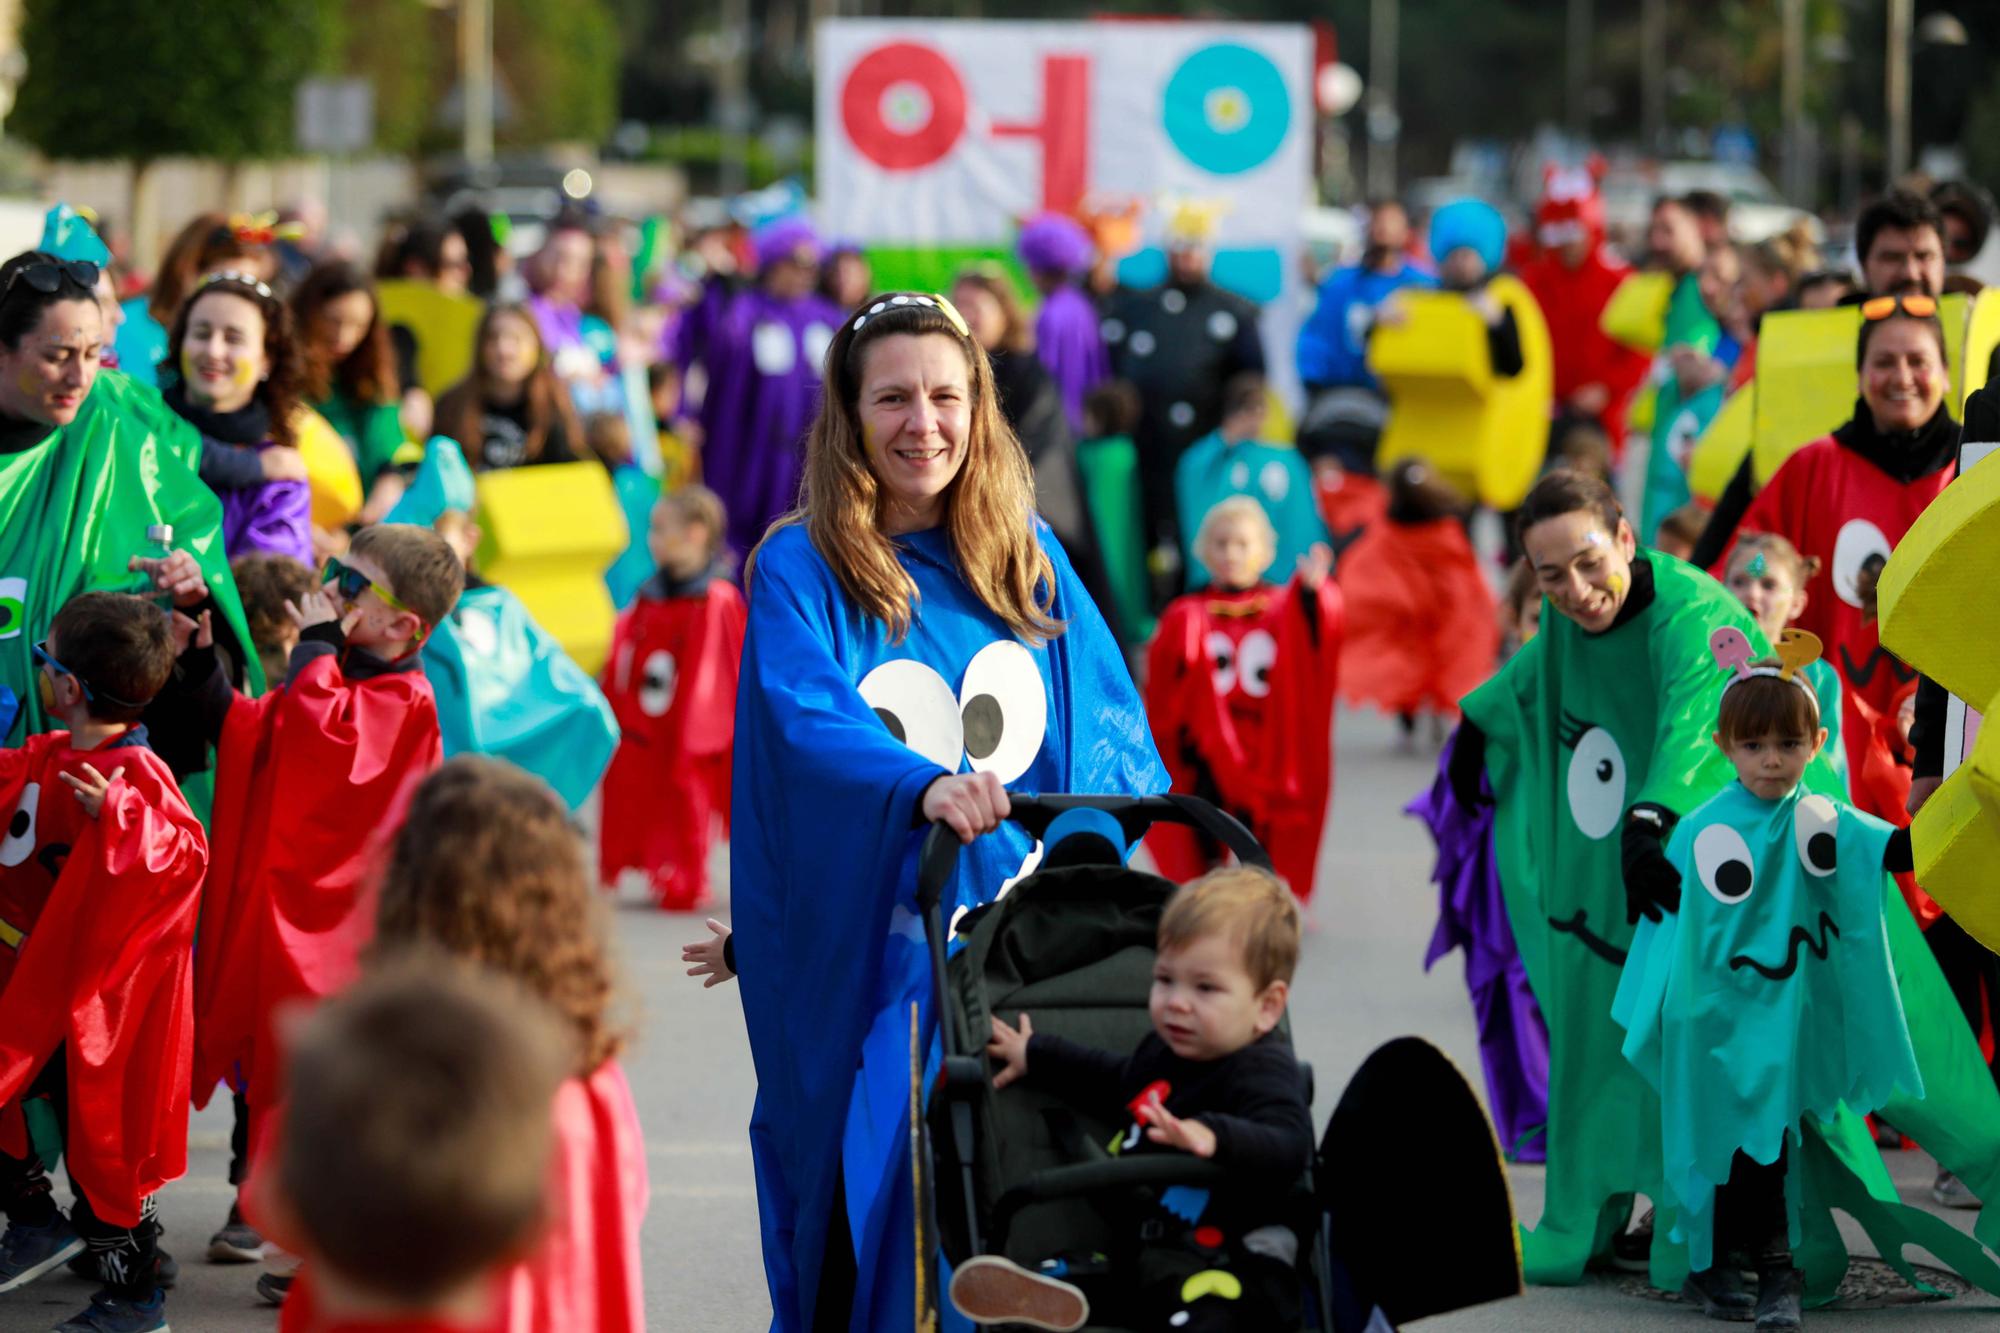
pixel 764 357
pixel 1066 336
pixel 1513 1039
pixel 274 517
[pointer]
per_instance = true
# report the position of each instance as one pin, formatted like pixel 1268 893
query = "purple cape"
pixel 274 517
pixel 763 357
pixel 1513 1039
pixel 1069 345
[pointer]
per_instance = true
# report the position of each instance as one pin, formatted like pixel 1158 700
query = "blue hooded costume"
pixel 838 733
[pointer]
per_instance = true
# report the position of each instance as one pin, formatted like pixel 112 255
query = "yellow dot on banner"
pixel 1211 1282
pixel 1228 109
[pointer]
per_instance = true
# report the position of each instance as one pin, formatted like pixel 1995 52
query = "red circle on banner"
pixel 869 83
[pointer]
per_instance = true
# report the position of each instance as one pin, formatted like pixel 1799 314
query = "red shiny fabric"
pixel 586 1273
pixel 1239 694
pixel 671 680
pixel 1350 503
pixel 108 909
pixel 306 776
pixel 1422 626
pixel 1573 301
pixel 1832 503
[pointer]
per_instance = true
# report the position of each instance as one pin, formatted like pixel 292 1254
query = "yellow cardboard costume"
pixel 549 534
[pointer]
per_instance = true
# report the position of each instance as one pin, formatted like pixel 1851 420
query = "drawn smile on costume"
pixel 1793 950
pixel 1577 925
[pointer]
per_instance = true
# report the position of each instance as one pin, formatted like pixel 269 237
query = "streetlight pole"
pixel 475 39
pixel 1652 73
pixel 1896 83
pixel 1577 95
pixel 1793 94
pixel 1384 126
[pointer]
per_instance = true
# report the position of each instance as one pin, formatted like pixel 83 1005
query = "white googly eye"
pixel 19 844
pixel 816 339
pixel 1142 343
pixel 1222 652
pixel 1112 330
pixel 657 682
pixel 1005 710
pixel 919 710
pixel 1722 860
pixel 1255 657
pixel 774 348
pixel 1596 783
pixel 1815 827
pixel 1859 543
pixel 477 632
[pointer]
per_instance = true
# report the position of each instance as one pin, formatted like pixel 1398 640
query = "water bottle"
pixel 159 545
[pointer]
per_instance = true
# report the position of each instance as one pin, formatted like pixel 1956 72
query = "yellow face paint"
pixel 1617 583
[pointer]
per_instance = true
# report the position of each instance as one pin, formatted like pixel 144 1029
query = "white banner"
pixel 950 133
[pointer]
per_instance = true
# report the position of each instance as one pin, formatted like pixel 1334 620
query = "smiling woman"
pixel 917 645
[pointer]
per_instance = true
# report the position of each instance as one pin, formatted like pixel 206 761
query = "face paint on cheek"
pixel 1617 582
pixel 47 689
pixel 28 384
pixel 243 375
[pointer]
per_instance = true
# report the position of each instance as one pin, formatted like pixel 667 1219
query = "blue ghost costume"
pixel 838 733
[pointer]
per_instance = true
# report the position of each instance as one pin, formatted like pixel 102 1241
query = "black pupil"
pixel 1820 850
pixel 1223 661
pixel 1261 674
pixel 1732 878
pixel 985 723
pixel 6 616
pixel 18 825
pixel 1604 770
pixel 893 723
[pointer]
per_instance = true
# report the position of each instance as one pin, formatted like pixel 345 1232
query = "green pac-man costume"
pixel 1579 728
pixel 74 508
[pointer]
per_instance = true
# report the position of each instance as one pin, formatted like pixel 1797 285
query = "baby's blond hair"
pixel 1250 907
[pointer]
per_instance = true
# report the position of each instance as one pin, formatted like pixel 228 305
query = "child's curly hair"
pixel 488 867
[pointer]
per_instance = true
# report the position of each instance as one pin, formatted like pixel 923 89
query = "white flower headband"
pixel 1796 650
pixel 934 302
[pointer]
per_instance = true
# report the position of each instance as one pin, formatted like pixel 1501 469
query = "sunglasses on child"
pixel 45 659
pixel 350 583
pixel 1917 307
pixel 46 275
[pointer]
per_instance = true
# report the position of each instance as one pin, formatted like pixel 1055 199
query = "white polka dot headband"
pixel 934 302
pixel 250 280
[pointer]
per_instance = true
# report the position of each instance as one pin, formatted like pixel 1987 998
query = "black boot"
pixel 1780 1299
pixel 1720 1293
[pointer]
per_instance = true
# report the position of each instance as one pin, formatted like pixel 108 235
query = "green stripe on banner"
pixel 932 268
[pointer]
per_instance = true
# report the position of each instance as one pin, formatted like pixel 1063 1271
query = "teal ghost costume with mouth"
pixel 1579 728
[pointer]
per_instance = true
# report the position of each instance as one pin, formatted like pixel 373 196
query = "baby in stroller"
pixel 1214 1078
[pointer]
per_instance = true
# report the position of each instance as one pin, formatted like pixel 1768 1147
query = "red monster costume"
pixel 671 680
pixel 97 921
pixel 1573 299
pixel 1349 503
pixel 1422 626
pixel 585 1273
pixel 1239 692
pixel 1834 504
pixel 306 776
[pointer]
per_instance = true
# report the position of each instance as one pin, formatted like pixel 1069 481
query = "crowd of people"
pixel 890 555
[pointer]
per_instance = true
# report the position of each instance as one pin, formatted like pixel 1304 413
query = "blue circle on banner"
pixel 1226 109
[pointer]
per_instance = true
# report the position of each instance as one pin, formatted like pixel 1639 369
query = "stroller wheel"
pixel 990 1290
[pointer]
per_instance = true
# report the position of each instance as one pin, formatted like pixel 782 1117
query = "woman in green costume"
pixel 1600 726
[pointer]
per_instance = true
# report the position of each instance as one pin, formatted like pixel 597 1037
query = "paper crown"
pixel 1192 222
pixel 1113 225
pixel 1796 650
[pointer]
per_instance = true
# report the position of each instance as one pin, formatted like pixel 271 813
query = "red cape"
pixel 1832 503
pixel 1350 506
pixel 671 680
pixel 107 907
pixel 1573 301
pixel 1239 693
pixel 586 1272
pixel 305 777
pixel 1422 628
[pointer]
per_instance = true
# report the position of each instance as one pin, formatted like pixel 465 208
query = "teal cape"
pixel 638 491
pixel 1276 478
pixel 506 688
pixel 1678 422
pixel 74 508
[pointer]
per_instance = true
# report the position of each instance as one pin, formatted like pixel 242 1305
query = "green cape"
pixel 75 508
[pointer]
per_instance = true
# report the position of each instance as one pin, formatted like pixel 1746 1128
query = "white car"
pixel 1756 210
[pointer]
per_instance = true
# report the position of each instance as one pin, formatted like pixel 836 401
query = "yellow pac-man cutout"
pixel 549 535
pixel 1939 612
pixel 1636 314
pixel 444 325
pixel 1720 450
pixel 1806 379
pixel 1484 433
pixel 1796 649
pixel 1211 1282
pixel 330 472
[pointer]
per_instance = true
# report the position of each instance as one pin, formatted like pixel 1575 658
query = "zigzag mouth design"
pixel 1877 659
pixel 1588 938
pixel 1793 953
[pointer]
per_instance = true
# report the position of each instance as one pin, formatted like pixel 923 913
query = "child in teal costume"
pixel 1230 461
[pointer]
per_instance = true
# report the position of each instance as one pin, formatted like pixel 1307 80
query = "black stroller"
pixel 1016 1173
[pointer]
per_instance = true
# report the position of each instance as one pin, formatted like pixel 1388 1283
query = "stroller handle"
pixel 938 861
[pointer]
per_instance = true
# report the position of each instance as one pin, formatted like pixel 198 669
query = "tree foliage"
pixel 559 59
pixel 112 79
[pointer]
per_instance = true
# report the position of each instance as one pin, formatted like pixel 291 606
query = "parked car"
pixel 1756 210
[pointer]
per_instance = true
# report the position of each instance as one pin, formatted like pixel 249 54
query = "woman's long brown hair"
pixel 460 410
pixel 989 507
pixel 368 374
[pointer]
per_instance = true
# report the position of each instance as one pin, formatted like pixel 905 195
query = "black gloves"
pixel 1652 885
pixel 1467 770
pixel 1897 856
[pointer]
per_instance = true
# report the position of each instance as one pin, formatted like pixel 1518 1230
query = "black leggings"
pixel 1751 1222
pixel 1970 970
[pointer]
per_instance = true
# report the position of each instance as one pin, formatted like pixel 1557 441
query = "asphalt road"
pixel 1359 984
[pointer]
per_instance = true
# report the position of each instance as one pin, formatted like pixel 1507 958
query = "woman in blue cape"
pixel 917 644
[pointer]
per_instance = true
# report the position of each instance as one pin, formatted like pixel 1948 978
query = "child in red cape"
pixel 417 1147
pixel 100 878
pixel 489 869
pixel 1422 629
pixel 304 776
pixel 671 680
pixel 1240 682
